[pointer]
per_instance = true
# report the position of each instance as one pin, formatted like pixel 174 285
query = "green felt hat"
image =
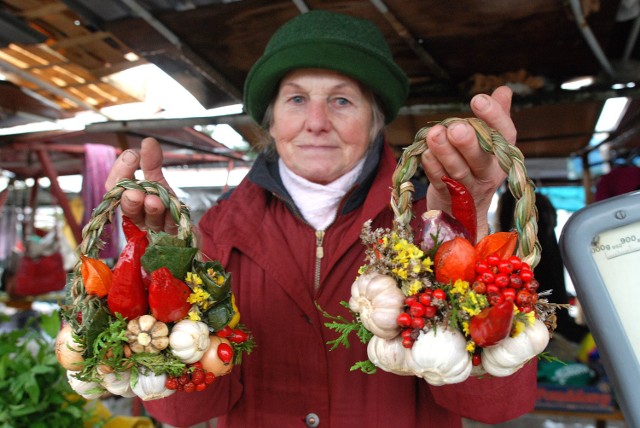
pixel 333 41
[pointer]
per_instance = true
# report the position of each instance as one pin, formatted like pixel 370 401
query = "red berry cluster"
pixel 193 378
pixel 420 308
pixel 506 279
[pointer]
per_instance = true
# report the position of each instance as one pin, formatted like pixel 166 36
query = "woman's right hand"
pixel 146 211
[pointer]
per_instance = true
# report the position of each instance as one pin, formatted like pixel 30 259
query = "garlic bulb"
pixel 379 301
pixel 511 353
pixel 390 355
pixel 117 383
pixel 146 334
pixel 150 386
pixel 440 356
pixel 88 390
pixel 189 340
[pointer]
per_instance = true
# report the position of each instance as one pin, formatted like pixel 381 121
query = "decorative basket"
pixel 446 308
pixel 162 319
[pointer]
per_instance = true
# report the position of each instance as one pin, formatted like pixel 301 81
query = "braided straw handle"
pixel 511 161
pixel 103 214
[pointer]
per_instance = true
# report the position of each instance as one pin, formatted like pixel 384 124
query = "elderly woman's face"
pixel 321 124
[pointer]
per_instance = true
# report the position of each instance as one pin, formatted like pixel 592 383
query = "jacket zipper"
pixel 319 256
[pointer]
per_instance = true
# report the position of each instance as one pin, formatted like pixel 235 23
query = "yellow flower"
pixel 427 264
pixel 460 287
pixel 518 328
pixel 465 327
pixel 471 346
pixel 400 273
pixel 531 318
pixel 216 275
pixel 198 295
pixel 193 278
pixel 194 316
pixel 472 305
pixel 414 287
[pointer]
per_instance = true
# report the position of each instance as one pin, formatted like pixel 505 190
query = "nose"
pixel 318 116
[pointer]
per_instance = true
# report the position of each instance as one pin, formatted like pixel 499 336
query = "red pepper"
pixel 492 324
pixel 130 229
pixel 168 296
pixel 127 294
pixel 463 208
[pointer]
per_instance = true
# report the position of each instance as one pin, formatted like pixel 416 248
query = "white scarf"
pixel 318 203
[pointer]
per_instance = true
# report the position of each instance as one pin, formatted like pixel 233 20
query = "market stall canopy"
pixel 64 52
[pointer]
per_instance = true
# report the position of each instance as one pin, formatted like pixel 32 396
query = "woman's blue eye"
pixel 342 101
pixel 297 99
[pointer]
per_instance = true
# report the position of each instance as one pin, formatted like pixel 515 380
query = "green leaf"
pixel 32 389
pixel 220 314
pixel 170 252
pixel 345 328
pixel 39 369
pixel 366 367
pixel 215 280
pixel 50 323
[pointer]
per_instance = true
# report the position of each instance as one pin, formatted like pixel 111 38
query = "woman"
pixel 289 234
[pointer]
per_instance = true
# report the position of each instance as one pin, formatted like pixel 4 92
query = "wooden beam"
pixel 56 90
pixel 117 67
pixel 39 12
pixel 410 40
pixel 80 40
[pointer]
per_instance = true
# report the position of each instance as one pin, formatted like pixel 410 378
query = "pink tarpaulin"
pixel 98 160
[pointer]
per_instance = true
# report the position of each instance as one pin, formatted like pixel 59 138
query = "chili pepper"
pixel 96 276
pixel 128 295
pixel 492 324
pixel 168 296
pixel 463 208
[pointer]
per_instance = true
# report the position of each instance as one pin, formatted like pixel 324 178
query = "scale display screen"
pixel 617 256
pixel 600 247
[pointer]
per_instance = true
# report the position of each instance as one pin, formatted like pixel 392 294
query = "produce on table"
pixel 141 327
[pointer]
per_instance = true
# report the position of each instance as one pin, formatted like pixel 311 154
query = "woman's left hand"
pixel 455 151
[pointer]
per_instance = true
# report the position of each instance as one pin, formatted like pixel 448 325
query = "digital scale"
pixel 600 246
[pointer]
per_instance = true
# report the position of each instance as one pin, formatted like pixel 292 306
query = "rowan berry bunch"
pixel 506 279
pixel 193 378
pixel 420 309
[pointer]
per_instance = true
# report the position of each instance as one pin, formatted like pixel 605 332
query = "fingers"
pixel 151 161
pixel 455 151
pixel 157 216
pixel 495 110
pixel 124 167
pixel 146 211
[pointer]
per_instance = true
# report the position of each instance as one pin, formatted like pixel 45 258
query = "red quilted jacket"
pixel 271 254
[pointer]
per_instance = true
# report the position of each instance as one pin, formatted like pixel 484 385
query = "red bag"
pixel 40 275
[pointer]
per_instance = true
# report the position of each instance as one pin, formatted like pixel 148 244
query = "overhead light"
pixel 617 86
pixel 577 83
pixel 611 114
pixel 131 56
